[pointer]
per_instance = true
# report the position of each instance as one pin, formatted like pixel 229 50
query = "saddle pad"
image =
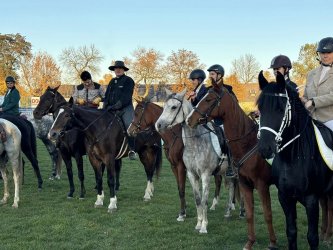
pixel 216 144
pixel 325 152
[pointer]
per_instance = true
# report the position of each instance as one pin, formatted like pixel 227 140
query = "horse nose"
pixel 52 135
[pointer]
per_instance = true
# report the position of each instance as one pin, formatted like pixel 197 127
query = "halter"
pixel 285 123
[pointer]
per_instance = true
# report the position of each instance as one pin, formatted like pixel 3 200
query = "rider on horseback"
pixel 88 93
pixel 216 73
pixel 283 65
pixel 118 97
pixel 11 101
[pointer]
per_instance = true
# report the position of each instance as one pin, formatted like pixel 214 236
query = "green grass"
pixel 48 220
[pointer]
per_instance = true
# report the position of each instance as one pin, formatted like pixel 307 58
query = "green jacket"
pixel 11 101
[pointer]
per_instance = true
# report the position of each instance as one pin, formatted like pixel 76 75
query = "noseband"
pixel 285 123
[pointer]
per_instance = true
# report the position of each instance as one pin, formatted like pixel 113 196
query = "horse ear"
pixel 56 88
pixel 262 80
pixel 280 80
pixel 182 94
pixel 168 92
pixel 71 101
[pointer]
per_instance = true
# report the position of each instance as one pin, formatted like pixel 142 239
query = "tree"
pixel 231 79
pixel 146 65
pixel 307 61
pixel 13 47
pixel 77 60
pixel 38 72
pixel 106 79
pixel 246 68
pixel 180 64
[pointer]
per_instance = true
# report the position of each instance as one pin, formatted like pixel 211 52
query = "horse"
pixel 10 150
pixel 287 134
pixel 42 128
pixel 146 114
pixel 71 144
pixel 241 135
pixel 106 141
pixel 28 142
pixel 199 156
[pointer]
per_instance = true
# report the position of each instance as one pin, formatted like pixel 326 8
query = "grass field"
pixel 48 220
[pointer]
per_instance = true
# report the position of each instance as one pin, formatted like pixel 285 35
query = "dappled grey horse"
pixel 199 156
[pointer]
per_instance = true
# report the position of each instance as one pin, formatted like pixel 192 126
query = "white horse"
pixel 199 156
pixel 10 150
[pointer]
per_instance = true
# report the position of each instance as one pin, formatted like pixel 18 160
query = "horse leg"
pixel 218 183
pixel 98 169
pixel 34 164
pixel 16 177
pixel 265 197
pixel 111 174
pixel 4 173
pixel 312 212
pixel 289 209
pixel 118 168
pixel 324 216
pixel 248 199
pixel 194 180
pixel 51 149
pixel 79 164
pixel 240 198
pixel 148 163
pixel 205 180
pixel 230 205
pixel 68 163
pixel 330 220
pixel 181 180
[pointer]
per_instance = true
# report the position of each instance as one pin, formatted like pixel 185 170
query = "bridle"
pixel 142 118
pixel 173 96
pixel 204 116
pixel 284 123
pixel 53 102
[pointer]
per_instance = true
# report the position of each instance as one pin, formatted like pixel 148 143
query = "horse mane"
pixel 300 120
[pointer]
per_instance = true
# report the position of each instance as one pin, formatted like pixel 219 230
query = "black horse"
pixel 71 144
pixel 106 142
pixel 28 142
pixel 298 170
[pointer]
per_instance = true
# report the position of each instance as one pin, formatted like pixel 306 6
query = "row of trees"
pixel 36 71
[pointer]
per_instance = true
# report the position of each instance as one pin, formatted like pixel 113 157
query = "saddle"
pixel 3 135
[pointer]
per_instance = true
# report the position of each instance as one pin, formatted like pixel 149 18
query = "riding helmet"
pixel 325 45
pixel 280 61
pixel 197 73
pixel 10 79
pixel 217 68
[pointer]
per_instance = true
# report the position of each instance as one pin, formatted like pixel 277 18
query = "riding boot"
pixel 131 145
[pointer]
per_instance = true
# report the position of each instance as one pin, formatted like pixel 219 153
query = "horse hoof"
pixel 69 197
pixel 181 218
pixel 2 202
pixel 146 198
pixel 98 205
pixel 40 189
pixel 227 215
pixel 81 198
pixel 112 210
pixel 15 205
pixel 203 231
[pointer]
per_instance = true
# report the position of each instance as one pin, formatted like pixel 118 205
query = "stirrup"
pixel 230 174
pixel 132 155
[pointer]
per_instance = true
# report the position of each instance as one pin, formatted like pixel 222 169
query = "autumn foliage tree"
pixel 246 68
pixel 77 60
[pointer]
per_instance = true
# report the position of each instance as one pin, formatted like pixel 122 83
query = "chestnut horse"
pixel 241 133
pixel 146 114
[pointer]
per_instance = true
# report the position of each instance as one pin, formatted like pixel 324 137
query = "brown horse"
pixel 241 134
pixel 146 114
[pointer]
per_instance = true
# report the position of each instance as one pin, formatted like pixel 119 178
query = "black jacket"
pixel 119 90
pixel 202 92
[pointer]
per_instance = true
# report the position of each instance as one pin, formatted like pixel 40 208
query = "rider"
pixel 88 93
pixel 12 97
pixel 318 93
pixel 197 77
pixel 216 74
pixel 282 64
pixel 118 97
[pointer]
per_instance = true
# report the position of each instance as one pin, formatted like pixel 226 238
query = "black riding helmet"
pixel 10 79
pixel 217 68
pixel 280 61
pixel 197 74
pixel 325 45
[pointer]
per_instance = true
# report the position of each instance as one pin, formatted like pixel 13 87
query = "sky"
pixel 217 31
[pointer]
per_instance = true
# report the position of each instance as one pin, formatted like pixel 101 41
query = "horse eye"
pixel 173 107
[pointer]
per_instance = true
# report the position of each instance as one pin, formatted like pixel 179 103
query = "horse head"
pixel 208 107
pixel 63 121
pixel 49 102
pixel 275 114
pixel 175 110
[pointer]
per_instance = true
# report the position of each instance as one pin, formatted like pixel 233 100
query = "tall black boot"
pixel 131 145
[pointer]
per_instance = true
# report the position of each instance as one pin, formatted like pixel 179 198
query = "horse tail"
pixel 33 139
pixel 158 160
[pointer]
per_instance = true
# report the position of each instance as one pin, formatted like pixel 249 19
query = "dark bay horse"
pixel 106 142
pixel 241 134
pixel 146 114
pixel 299 172
pixel 71 144
pixel 28 142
